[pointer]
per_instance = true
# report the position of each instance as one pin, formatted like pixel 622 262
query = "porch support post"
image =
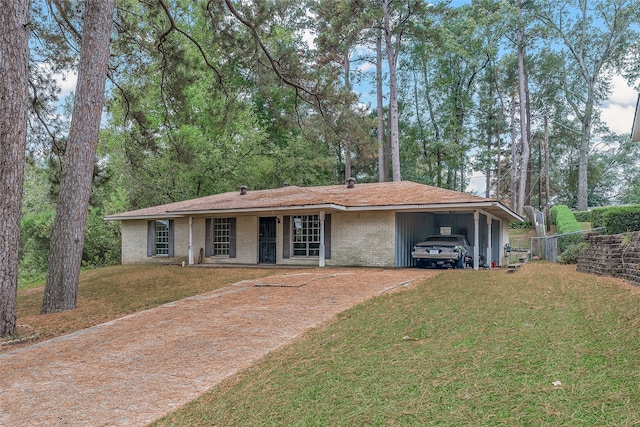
pixel 321 260
pixel 190 240
pixel 476 233
pixel 489 242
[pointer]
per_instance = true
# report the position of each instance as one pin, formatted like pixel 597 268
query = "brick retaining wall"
pixel 609 255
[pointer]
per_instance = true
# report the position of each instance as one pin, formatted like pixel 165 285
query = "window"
pixel 221 236
pixel 306 235
pixel 162 237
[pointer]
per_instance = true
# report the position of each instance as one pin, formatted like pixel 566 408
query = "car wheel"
pixel 461 263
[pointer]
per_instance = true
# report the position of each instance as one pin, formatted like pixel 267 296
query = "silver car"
pixel 442 251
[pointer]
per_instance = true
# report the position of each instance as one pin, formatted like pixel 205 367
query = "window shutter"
pixel 286 237
pixel 232 237
pixel 207 237
pixel 151 238
pixel 171 239
pixel 327 236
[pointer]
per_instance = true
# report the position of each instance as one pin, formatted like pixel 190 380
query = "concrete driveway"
pixel 133 370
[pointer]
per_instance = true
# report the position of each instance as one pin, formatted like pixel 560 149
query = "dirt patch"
pixel 133 370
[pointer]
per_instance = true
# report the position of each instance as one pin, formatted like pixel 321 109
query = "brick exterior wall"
pixel 357 239
pixel 363 239
pixel 612 255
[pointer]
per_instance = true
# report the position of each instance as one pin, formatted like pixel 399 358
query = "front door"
pixel 267 241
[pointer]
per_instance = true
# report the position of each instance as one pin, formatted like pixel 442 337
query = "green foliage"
pixel 572 252
pixel 519 225
pixel 597 217
pixel 35 235
pixel 583 216
pixel 566 222
pixel 101 241
pixel 622 219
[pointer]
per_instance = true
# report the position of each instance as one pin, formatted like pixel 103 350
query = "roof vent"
pixel 351 182
pixel 243 190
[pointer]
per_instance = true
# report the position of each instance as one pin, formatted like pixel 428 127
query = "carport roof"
pixel 399 196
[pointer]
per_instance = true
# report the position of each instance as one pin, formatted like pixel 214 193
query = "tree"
pixel 67 240
pixel 596 37
pixel 393 91
pixel 524 111
pixel 14 61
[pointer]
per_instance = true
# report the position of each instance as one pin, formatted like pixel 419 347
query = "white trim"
pixel 476 239
pixel 321 261
pixel 191 240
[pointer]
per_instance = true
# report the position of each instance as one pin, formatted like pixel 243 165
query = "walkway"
pixel 136 369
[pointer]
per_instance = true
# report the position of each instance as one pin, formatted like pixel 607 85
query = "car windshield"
pixel 442 239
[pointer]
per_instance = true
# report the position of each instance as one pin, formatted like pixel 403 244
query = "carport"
pixel 485 225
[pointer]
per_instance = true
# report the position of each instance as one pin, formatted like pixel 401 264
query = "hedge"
pixel 566 222
pixel 621 219
pixel 597 215
pixel 583 216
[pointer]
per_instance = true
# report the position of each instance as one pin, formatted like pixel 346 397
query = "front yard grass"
pixel 546 346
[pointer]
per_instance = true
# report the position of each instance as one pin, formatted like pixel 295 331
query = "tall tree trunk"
pixel 382 176
pixel 527 196
pixel 65 254
pixel 393 93
pixel 346 66
pixel 524 160
pixel 514 156
pixel 14 95
pixel 499 149
pixel 546 173
pixel 583 163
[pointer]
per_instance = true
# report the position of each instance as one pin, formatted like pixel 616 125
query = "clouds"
pixel 618 111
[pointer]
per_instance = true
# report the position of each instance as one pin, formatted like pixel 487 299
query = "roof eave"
pixel 443 206
pixel 324 206
pixel 166 215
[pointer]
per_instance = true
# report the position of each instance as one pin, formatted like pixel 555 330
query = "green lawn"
pixel 468 348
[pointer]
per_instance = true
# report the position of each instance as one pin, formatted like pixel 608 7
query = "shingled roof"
pixel 400 195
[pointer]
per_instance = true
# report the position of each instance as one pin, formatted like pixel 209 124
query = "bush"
pixel 572 252
pixel 518 225
pixel 583 216
pixel 597 215
pixel 101 240
pixel 622 219
pixel 566 222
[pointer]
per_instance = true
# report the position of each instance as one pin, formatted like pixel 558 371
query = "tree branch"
pixel 274 65
pixel 174 27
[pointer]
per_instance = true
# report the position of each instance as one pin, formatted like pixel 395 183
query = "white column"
pixel 190 240
pixel 490 238
pixel 321 261
pixel 476 245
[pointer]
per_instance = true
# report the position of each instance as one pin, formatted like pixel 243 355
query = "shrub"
pixel 521 224
pixel 597 214
pixel 566 222
pixel 622 219
pixel 583 216
pixel 572 252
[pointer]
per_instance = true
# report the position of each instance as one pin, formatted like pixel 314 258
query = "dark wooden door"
pixel 267 241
